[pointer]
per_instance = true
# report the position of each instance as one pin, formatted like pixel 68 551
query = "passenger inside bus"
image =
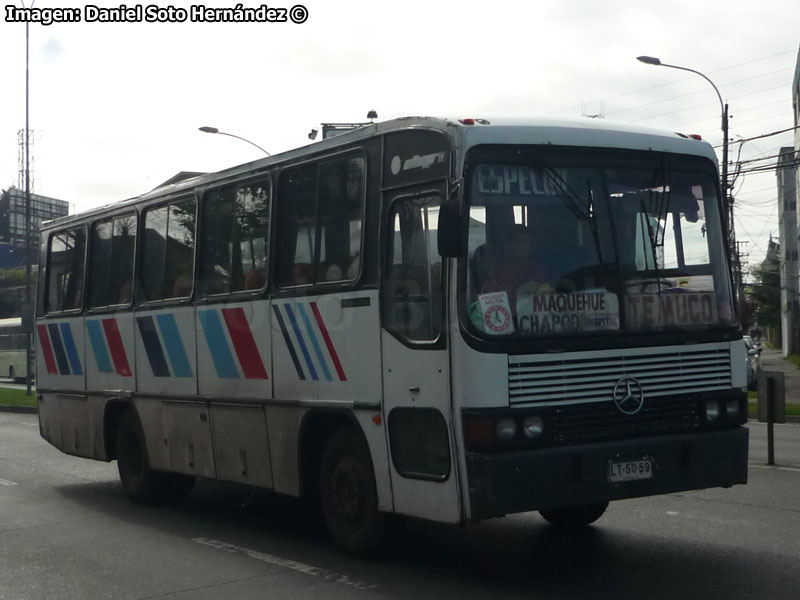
pixel 510 267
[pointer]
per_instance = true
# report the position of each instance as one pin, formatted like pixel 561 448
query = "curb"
pixel 790 419
pixel 31 410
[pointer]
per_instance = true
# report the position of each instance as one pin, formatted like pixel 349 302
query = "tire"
pixel 348 495
pixel 574 517
pixel 139 482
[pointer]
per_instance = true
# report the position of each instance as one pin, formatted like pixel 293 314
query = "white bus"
pixel 12 349
pixel 446 319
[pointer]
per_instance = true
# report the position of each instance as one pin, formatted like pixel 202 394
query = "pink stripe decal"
pixel 331 350
pixel 244 344
pixel 47 350
pixel 117 347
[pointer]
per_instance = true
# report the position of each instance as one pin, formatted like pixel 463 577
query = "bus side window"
pixel 295 241
pixel 168 251
pixel 412 288
pixel 233 249
pixel 319 223
pixel 65 258
pixel 341 202
pixel 111 261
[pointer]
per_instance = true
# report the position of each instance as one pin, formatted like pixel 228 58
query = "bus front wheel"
pixel 574 516
pixel 348 494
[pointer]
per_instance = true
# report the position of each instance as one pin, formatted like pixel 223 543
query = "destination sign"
pixel 544 314
pixel 519 180
pixel 654 311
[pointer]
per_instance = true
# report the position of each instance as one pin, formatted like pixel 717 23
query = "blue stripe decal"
pixel 302 343
pixel 287 338
pixel 152 346
pixel 58 348
pixel 174 345
pixel 72 351
pixel 99 346
pixel 302 310
pixel 218 344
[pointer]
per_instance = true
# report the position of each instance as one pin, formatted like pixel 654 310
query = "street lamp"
pixel 28 300
pixel 215 130
pixel 651 60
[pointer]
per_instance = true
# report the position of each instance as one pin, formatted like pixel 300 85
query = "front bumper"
pixel 563 476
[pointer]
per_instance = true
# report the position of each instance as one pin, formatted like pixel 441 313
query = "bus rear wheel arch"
pixel 140 482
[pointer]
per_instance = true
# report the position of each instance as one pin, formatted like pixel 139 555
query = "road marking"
pixel 7 483
pixel 792 469
pixel 285 562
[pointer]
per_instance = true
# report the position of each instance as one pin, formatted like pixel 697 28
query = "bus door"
pixel 416 387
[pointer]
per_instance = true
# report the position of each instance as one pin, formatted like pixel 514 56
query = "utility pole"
pixel 741 258
pixel 28 253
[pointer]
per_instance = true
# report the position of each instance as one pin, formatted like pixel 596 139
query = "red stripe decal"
pixel 47 350
pixel 244 344
pixel 117 347
pixel 331 350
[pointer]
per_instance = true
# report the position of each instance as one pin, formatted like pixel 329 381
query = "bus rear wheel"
pixel 574 516
pixel 139 482
pixel 348 495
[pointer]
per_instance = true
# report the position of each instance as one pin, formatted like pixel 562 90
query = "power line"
pixel 654 87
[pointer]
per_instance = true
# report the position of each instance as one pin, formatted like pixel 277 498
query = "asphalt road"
pixel 66 532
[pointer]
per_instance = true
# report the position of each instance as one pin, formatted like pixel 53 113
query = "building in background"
pixel 789 196
pixel 12 224
pixel 787 214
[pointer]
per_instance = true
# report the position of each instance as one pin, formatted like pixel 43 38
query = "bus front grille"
pixel 598 421
pixel 590 377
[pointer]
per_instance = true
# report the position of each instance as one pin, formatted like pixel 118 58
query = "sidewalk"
pixel 772 360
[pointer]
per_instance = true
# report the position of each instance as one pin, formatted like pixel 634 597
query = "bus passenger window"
pixel 412 287
pixel 111 261
pixel 233 249
pixel 341 201
pixel 65 257
pixel 319 223
pixel 168 251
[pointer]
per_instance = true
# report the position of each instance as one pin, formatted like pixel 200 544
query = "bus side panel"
pixel 110 352
pixel 60 356
pixel 234 351
pixel 73 423
pixel 324 348
pixel 166 360
pixel 283 425
pixel 241 449
pixel 325 352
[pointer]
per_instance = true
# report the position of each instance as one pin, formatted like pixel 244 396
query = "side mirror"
pixel 449 232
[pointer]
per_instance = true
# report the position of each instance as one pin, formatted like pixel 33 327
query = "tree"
pixel 765 294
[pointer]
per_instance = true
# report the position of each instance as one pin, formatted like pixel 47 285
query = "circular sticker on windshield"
pixel 497 318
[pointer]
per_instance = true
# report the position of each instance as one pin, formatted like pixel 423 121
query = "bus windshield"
pixel 593 241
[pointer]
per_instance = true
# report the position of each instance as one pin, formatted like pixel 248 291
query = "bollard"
pixel 771 406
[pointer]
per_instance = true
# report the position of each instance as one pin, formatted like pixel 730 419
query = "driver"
pixel 514 265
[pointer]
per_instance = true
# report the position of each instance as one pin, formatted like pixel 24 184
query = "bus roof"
pixel 466 132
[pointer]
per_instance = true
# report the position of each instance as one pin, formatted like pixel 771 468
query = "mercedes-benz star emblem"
pixel 628 395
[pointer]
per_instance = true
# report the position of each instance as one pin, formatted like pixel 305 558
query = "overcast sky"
pixel 115 107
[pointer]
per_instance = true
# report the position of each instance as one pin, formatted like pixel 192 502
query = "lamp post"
pixel 28 300
pixel 217 131
pixel 651 60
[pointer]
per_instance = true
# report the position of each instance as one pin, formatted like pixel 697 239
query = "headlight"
pixel 732 410
pixel 712 411
pixel 533 426
pixel 506 429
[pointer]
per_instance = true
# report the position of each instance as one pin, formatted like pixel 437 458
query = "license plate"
pixel 630 470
